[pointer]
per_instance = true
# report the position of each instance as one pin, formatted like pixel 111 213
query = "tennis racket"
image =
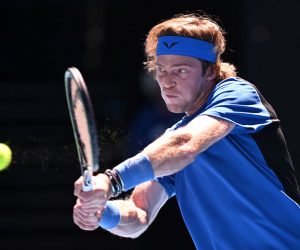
pixel 83 124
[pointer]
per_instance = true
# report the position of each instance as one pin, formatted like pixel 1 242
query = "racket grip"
pixel 87 181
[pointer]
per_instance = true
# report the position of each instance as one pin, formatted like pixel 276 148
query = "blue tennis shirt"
pixel 241 193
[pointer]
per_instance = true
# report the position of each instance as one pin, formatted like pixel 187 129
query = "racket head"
pixel 83 122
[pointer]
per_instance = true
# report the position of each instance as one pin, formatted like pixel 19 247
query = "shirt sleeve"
pixel 240 103
pixel 168 182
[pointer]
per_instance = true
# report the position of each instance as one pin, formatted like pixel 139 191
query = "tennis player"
pixel 226 162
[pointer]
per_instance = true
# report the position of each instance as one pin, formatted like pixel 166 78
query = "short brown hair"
pixel 195 26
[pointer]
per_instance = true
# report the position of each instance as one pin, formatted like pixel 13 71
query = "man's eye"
pixel 181 70
pixel 159 69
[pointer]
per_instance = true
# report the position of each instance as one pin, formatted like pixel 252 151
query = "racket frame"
pixel 87 169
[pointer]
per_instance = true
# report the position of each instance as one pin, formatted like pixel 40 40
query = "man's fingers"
pixel 90 205
pixel 85 226
pixel 85 220
pixel 86 217
pixel 93 204
pixel 78 186
pixel 91 195
pixel 87 212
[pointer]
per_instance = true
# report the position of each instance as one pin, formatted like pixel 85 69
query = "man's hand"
pixel 90 205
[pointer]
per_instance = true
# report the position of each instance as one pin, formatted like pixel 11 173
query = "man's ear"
pixel 211 72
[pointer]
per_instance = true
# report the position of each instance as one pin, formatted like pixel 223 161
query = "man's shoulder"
pixel 233 85
pixel 233 81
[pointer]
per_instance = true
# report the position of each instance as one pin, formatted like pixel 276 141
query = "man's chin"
pixel 174 109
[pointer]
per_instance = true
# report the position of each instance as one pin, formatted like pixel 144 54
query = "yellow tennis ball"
pixel 5 156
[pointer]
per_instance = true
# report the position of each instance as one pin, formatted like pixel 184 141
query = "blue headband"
pixel 186 46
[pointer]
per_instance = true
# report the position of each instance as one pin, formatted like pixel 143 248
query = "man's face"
pixel 182 82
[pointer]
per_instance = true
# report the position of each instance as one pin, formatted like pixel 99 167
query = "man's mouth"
pixel 170 95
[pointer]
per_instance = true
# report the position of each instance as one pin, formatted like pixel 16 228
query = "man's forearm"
pixel 176 149
pixel 133 221
pixel 170 153
pixel 140 210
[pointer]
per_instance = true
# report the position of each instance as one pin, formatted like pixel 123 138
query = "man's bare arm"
pixel 176 149
pixel 139 211
pixel 169 154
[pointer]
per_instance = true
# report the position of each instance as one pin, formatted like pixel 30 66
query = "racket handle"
pixel 87 181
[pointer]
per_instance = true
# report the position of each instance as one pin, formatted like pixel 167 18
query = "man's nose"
pixel 168 81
